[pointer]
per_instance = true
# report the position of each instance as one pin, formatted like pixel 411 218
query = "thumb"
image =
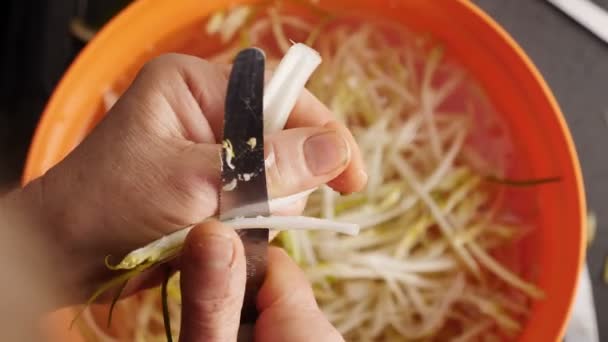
pixel 287 304
pixel 212 284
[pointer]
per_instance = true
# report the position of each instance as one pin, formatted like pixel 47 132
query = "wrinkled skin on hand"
pixel 151 167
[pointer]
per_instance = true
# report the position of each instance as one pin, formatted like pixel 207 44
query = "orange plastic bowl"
pixel 150 27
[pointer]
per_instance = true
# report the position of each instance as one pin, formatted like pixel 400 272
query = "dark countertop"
pixel 572 60
pixel 575 64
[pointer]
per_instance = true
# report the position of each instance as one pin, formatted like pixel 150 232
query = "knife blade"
pixel 583 322
pixel 587 13
pixel 244 192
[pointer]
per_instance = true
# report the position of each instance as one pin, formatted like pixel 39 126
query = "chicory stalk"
pixel 286 85
pixel 167 246
pixel 280 203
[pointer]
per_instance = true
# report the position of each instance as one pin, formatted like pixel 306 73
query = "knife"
pixel 583 323
pixel 244 192
pixel 587 13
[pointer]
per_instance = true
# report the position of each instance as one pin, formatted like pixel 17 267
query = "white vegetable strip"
pixel 307 249
pixel 446 227
pixel 214 24
pixel 286 85
pixel 434 319
pixel 277 30
pixel 504 273
pixel 345 271
pixel 109 99
pixel 447 89
pixel 280 203
pixel 366 220
pixel 283 90
pixel 233 21
pixel 327 209
pixel 486 306
pixel 358 315
pixel 471 333
pixel 427 102
pixel 294 223
pixel 387 263
pixel 159 248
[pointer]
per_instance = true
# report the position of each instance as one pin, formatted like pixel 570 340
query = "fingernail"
pixel 325 152
pixel 364 177
pixel 212 252
pixel 207 270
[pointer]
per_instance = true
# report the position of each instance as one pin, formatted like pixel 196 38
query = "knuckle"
pixel 196 197
pixel 210 318
pixel 273 174
pixel 161 61
pixel 288 170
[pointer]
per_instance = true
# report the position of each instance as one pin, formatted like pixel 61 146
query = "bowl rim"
pixel 523 57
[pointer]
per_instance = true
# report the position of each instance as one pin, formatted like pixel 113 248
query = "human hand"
pixel 152 166
pixel 213 284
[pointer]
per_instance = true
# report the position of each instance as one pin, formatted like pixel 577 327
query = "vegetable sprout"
pixel 431 261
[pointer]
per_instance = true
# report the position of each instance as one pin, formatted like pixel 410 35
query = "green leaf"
pixel 522 182
pixel 118 280
pixel 165 304
pixel 115 299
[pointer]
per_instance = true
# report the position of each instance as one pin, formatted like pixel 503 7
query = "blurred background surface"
pixel 39 39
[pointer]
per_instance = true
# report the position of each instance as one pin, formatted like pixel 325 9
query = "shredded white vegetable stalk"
pixel 277 204
pixel 429 239
pixel 167 246
pixel 286 85
pixel 434 260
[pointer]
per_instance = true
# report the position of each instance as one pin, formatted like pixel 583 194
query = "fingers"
pixel 206 83
pixel 285 283
pixel 212 284
pixel 288 308
pixel 190 87
pixel 310 112
pixel 195 89
pixel 194 184
pixel 354 177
